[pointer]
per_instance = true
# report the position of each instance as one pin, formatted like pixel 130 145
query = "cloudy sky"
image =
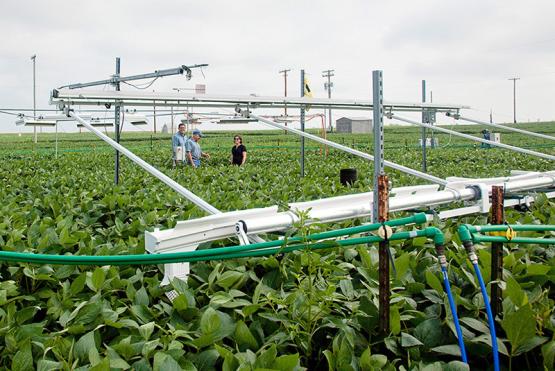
pixel 465 50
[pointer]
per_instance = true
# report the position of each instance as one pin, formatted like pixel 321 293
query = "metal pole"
pixel 497 217
pixel 352 151
pixel 380 203
pixel 56 139
pixel 154 107
pixel 328 86
pixel 302 124
pixel 377 85
pixel 514 97
pixel 172 119
pixel 117 110
pixel 423 136
pixel 149 168
pixel 490 142
pixel 33 58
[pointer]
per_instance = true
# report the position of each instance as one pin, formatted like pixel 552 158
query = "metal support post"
pixel 33 58
pixel 381 199
pixel 497 217
pixel 172 119
pixel 377 84
pixel 302 124
pixel 424 120
pixel 117 110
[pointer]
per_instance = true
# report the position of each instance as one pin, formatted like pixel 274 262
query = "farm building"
pixel 354 125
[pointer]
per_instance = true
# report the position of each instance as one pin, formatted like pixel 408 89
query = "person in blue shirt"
pixel 193 150
pixel 178 146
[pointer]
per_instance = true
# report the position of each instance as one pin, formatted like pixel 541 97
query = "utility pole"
pixel 285 80
pixel 33 58
pixel 514 97
pixel 328 85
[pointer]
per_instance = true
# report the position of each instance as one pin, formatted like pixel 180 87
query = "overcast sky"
pixel 465 50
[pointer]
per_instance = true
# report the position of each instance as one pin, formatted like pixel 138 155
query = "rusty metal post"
pixel 497 217
pixel 383 211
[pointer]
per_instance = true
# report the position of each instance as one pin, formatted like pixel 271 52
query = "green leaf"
pixel 290 362
pixel 520 327
pixel 146 330
pixel 451 349
pixel 48 365
pixel 434 282
pixel 164 362
pixel 101 366
pixel 475 324
pixel 395 320
pixel 210 321
pixel 515 292
pixel 266 358
pixel 141 297
pixel 78 284
pixel 228 279
pixel 429 332
pixel 548 352
pixel 457 366
pixel 378 361
pixel 23 359
pixel 244 337
pixel 97 279
pixel 364 360
pixel 86 342
pixel 408 340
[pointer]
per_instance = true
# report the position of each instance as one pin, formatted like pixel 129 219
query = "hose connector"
pixel 440 250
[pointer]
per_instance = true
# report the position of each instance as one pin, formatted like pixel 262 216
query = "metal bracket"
pixel 241 232
pixel 482 195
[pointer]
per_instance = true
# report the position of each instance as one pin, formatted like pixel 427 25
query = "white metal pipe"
pixel 133 98
pixel 504 127
pixel 149 168
pixel 490 142
pixel 352 151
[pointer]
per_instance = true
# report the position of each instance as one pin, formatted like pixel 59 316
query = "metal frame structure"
pixel 246 224
pixel 65 97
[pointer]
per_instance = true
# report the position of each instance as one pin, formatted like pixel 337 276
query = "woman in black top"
pixel 238 151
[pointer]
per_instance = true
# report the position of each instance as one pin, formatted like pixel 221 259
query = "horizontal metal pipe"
pixel 131 98
pixel 504 127
pixel 149 168
pixel 352 151
pixel 476 139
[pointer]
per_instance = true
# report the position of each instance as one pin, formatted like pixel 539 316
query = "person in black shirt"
pixel 238 151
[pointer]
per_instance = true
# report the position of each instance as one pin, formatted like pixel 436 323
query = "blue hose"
pixel 490 318
pixel 454 313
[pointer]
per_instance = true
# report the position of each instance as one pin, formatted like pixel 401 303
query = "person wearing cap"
pixel 178 145
pixel 193 150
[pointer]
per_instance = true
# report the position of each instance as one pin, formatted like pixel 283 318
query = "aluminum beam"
pixel 476 139
pixel 175 99
pixel 504 127
pixel 352 151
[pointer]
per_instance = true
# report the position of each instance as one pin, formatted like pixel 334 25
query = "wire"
pixel 142 87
